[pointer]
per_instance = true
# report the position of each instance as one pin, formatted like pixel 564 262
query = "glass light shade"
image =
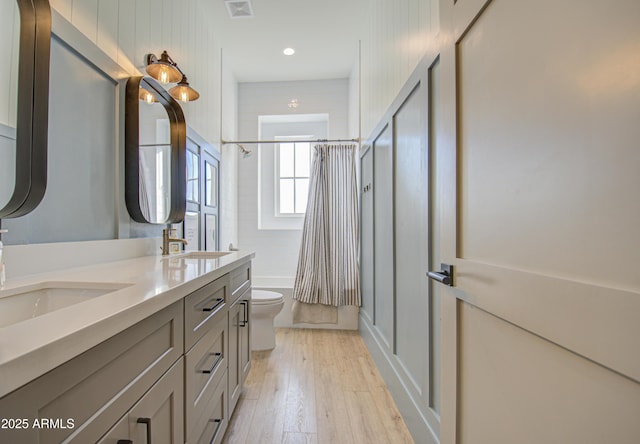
pixel 163 70
pixel 164 73
pixel 183 92
pixel 146 96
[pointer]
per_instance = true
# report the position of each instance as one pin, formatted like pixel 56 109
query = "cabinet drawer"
pixel 96 387
pixel 206 363
pixel 211 427
pixel 203 308
pixel 240 281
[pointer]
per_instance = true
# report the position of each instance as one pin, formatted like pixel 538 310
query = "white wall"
pixel 229 164
pixel 277 250
pixel 354 100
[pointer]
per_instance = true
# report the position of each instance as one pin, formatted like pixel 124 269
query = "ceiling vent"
pixel 239 8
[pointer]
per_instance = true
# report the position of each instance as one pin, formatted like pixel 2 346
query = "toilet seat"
pixel 264 297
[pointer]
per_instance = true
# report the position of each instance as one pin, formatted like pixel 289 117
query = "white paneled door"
pixel 538 170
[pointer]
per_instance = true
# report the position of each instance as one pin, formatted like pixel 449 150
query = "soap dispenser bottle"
pixel 2 275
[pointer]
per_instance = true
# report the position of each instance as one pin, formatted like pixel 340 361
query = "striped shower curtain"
pixel 328 263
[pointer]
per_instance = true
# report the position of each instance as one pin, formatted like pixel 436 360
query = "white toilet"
pixel 265 305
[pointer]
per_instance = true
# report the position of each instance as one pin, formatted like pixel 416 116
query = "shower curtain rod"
pixel 248 142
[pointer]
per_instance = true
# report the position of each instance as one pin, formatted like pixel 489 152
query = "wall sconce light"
pixel 293 104
pixel 182 91
pixel 165 70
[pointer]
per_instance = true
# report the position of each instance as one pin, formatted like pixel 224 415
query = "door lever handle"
pixel 444 276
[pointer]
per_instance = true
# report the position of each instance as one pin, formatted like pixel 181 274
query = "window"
pixel 293 169
pixel 201 223
pixel 210 184
pixel 193 177
pixel 284 168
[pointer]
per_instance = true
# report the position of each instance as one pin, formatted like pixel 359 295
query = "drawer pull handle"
pixel 245 314
pixel 124 441
pixel 215 432
pixel 216 305
pixel 147 422
pixel 215 363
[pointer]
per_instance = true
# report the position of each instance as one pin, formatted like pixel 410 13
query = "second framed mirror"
pixel 155 154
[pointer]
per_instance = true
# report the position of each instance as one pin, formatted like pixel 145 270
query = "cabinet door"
pixel 235 319
pixel 239 346
pixel 157 417
pixel 244 341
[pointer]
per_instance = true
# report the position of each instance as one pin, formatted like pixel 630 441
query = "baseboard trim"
pixel 272 281
pixel 413 418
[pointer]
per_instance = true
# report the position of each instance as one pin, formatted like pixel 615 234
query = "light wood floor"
pixel 316 386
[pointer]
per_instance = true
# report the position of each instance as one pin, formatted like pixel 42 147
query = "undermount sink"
pixel 198 255
pixel 20 304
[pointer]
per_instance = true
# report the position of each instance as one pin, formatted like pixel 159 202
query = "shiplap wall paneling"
pixel 398 35
pixel 84 16
pixel 10 22
pixel 143 25
pixel 64 7
pixel 156 32
pixel 127 20
pixel 107 32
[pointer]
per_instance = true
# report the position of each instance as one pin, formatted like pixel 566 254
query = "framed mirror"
pixel 155 154
pixel 24 86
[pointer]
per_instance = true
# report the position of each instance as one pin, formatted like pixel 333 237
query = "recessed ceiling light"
pixel 288 51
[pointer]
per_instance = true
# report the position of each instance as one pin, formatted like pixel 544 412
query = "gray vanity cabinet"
pixel 90 393
pixel 157 417
pixel 174 377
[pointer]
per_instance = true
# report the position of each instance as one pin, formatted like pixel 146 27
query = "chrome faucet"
pixel 167 239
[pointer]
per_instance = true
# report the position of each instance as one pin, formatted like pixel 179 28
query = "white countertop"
pixel 32 347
